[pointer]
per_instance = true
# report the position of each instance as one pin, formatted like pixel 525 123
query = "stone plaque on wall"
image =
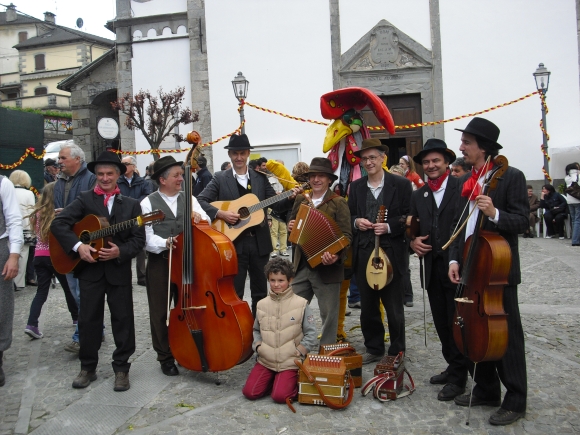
pixel 384 46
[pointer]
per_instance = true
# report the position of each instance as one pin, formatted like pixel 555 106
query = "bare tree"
pixel 155 116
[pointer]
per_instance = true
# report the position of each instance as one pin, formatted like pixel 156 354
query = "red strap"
pixel 327 402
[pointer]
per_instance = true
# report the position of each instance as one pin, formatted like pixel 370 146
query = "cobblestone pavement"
pixel 38 397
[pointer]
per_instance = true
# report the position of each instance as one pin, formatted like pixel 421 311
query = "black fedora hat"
pixel 322 165
pixel 481 127
pixel 159 166
pixel 434 145
pixel 108 158
pixel 371 143
pixel 239 142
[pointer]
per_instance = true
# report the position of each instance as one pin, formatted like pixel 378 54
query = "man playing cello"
pixel 507 211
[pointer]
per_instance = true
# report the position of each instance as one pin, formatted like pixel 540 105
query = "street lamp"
pixel 542 77
pixel 240 85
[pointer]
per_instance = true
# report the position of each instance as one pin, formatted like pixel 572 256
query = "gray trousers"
pixel 6 300
pixel 307 283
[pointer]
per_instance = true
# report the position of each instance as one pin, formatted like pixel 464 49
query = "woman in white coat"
pixel 26 200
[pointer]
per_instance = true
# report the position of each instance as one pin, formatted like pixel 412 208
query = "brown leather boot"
pixel 122 381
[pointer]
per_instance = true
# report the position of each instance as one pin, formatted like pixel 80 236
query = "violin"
pixel 210 328
pixel 480 322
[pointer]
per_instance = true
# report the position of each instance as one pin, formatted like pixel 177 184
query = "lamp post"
pixel 240 85
pixel 542 77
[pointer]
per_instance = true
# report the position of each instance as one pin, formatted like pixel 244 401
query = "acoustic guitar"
pixel 95 231
pixel 250 209
pixel 379 268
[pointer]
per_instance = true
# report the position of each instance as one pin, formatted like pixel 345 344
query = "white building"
pixel 489 51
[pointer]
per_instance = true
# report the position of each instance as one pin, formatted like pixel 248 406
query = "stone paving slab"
pixel 38 397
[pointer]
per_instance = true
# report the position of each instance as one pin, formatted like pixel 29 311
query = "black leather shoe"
pixel 84 379
pixel 503 417
pixel 169 368
pixel 450 392
pixel 121 381
pixel 476 401
pixel 440 379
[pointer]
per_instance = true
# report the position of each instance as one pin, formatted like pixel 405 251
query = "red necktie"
pixel 471 188
pixel 100 191
pixel 435 184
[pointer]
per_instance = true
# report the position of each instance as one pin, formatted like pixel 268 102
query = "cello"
pixel 480 325
pixel 210 328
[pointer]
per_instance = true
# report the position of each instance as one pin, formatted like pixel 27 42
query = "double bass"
pixel 210 328
pixel 480 322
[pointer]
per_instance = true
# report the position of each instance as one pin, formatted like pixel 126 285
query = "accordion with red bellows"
pixel 316 233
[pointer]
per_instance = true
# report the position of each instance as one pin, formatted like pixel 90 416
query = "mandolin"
pixel 94 230
pixel 250 209
pixel 379 267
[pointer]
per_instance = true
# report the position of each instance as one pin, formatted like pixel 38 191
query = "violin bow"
pixel 169 278
pixel 456 231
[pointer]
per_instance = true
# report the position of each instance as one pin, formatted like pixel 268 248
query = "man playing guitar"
pixel 254 245
pixel 109 276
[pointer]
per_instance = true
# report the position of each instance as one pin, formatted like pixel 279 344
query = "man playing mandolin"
pixel 367 194
pixel 107 276
pixel 506 212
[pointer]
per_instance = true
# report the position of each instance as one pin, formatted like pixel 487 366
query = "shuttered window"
pixel 39 62
pixel 41 91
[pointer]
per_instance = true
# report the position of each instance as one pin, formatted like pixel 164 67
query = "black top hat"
pixel 109 158
pixel 239 142
pixel 50 162
pixel 371 143
pixel 162 164
pixel 485 129
pixel 434 145
pixel 322 164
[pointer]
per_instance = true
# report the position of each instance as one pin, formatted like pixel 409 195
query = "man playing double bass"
pixel 435 205
pixel 169 199
pixel 506 212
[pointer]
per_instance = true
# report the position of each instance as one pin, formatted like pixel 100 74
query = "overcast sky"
pixel 94 13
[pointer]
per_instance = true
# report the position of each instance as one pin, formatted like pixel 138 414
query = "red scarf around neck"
pixel 435 184
pixel 100 191
pixel 471 188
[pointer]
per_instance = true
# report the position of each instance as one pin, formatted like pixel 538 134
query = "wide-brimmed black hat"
pixel 162 164
pixel 239 142
pixel 371 143
pixel 109 158
pixel 50 162
pixel 434 145
pixel 322 164
pixel 481 127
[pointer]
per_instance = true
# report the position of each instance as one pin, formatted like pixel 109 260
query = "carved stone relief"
pixel 384 46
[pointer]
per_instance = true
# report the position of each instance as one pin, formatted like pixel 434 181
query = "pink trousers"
pixel 262 381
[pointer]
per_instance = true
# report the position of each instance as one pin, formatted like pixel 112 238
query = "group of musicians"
pixel 437 205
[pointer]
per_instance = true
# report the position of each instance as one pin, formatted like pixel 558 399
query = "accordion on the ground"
pixel 352 359
pixel 316 233
pixel 324 380
pixel 388 382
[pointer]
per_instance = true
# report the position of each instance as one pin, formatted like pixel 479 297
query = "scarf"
pixel 100 191
pixel 471 188
pixel 435 184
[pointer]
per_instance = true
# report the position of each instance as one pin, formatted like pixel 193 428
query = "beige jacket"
pixel 278 330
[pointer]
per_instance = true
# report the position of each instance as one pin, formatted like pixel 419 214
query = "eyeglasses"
pixel 371 159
